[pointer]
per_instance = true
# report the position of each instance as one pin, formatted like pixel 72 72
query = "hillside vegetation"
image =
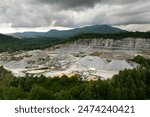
pixel 63 34
pixel 10 44
pixel 122 35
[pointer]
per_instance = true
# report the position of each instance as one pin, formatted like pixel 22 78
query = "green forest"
pixel 145 35
pixel 127 85
pixel 11 44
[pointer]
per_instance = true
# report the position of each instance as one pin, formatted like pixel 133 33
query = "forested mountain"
pixel 10 44
pixel 87 29
pixel 28 34
pixel 72 32
pixel 7 39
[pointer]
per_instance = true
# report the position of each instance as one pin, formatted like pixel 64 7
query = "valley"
pixel 90 58
pixel 81 51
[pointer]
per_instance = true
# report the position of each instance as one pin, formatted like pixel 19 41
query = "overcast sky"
pixel 42 15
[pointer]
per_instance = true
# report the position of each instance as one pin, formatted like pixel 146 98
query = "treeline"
pixel 145 35
pixel 128 84
pixel 11 44
pixel 142 61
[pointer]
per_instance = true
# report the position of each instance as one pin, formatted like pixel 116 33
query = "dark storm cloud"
pixel 66 4
pixel 72 13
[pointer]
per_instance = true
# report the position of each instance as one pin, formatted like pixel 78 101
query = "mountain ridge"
pixel 70 33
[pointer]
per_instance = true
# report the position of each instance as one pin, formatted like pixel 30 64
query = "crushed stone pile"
pixel 118 65
pixel 101 63
pixel 94 62
pixel 17 64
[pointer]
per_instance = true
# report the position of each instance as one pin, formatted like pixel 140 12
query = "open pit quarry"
pixel 90 58
pixel 114 44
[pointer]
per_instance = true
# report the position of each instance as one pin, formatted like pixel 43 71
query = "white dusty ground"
pixel 68 60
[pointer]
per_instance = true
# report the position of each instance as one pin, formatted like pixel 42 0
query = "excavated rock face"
pixel 122 44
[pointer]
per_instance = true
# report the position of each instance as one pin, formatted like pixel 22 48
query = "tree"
pixel 131 94
pixel 63 95
pixel 111 92
pixel 39 93
pixel 87 93
pixel 13 93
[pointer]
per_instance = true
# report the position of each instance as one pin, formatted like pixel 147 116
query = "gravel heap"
pixel 17 64
pixel 118 65
pixel 102 64
pixel 94 62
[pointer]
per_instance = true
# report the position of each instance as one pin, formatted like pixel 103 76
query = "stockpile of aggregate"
pixel 118 65
pixel 101 63
pixel 17 64
pixel 94 62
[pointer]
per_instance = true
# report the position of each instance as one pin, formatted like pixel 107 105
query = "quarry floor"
pixel 60 60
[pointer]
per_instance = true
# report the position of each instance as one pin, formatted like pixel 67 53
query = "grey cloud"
pixel 73 4
pixel 121 1
pixel 73 13
pixel 70 4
